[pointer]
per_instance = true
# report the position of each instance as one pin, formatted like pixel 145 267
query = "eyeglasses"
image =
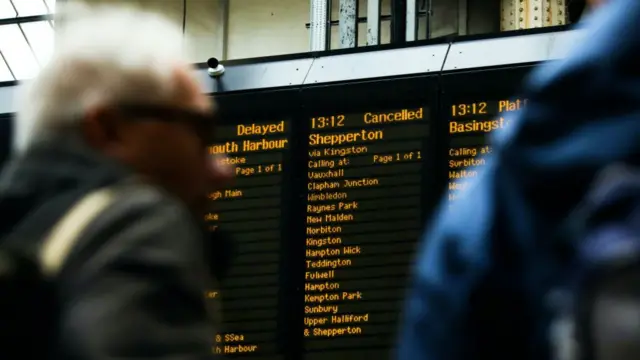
pixel 201 123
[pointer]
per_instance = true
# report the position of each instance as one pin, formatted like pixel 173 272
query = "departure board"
pixel 470 125
pixel 251 209
pixel 363 218
pixel 327 207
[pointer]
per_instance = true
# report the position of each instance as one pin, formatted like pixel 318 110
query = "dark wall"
pixel 483 16
pixel 6 130
pixel 464 17
pixel 576 9
pixel 444 18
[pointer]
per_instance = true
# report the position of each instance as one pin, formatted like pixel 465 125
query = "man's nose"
pixel 219 170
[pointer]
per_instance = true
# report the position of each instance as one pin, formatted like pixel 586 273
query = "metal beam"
pixel 373 22
pixel 507 15
pixel 348 23
pixel 463 17
pixel 427 27
pixel 26 38
pixel 363 19
pixel 7 65
pixel 535 14
pixel 327 26
pixel 318 26
pixel 532 14
pixel 25 19
pixel 556 13
pixel 222 30
pixel 398 21
pixel 412 20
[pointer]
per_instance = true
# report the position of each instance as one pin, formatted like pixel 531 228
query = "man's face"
pixel 168 144
pixel 593 4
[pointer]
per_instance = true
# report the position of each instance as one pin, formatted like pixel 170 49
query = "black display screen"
pixel 470 116
pixel 253 211
pixel 333 190
pixel 362 180
pixel 363 217
pixel 470 126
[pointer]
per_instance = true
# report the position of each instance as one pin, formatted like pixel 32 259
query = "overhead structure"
pixel 222 29
pixel 529 14
pixel 361 66
pixel 373 22
pixel 26 37
pixel 319 23
pixel 348 23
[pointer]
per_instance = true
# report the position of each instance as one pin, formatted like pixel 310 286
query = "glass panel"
pixel 17 53
pixel 6 10
pixel 5 74
pixel 40 37
pixel 51 5
pixel 30 7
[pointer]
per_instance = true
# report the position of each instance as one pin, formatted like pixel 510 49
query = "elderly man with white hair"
pixel 116 116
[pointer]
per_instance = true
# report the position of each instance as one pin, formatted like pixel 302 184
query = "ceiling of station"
pixel 26 37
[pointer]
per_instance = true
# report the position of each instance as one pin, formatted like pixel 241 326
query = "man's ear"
pixel 100 128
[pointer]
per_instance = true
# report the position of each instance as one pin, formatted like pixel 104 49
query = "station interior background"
pixel 240 29
pixel 232 30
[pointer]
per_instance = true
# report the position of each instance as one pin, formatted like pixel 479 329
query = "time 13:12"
pixel 469 109
pixel 327 122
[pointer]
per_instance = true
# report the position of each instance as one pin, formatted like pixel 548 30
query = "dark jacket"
pixel 134 284
pixel 485 267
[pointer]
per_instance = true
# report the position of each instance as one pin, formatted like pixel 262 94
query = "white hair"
pixel 103 55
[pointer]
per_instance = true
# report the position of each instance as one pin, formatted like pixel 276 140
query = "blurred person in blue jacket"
pixel 486 266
